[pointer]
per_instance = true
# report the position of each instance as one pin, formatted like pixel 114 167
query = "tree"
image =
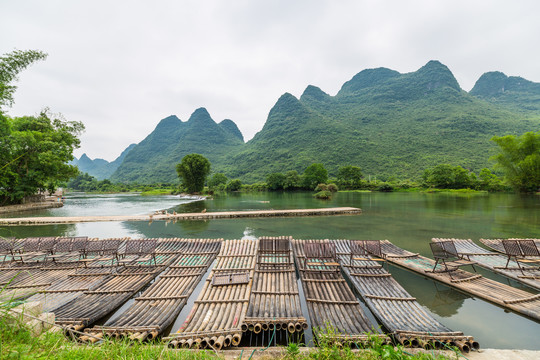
pixel 488 180
pixel 36 152
pixel 445 176
pixel 216 180
pixel 193 169
pixel 292 180
pixel 519 158
pixel 10 66
pixel 313 175
pixel 234 185
pixel 276 181
pixel 349 177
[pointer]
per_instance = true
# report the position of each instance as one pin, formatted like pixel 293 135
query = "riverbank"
pixel 181 216
pixel 48 204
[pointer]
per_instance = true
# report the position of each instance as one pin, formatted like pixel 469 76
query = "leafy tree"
pixel 349 177
pixel 313 175
pixel 193 169
pixel 488 180
pixel 234 185
pixel 445 176
pixel 36 151
pixel 292 180
pixel 216 180
pixel 10 65
pixel 519 158
pixel 276 181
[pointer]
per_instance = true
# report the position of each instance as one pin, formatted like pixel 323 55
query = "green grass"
pixel 158 192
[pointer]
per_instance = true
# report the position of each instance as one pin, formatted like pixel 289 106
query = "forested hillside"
pixel 389 124
pixel 154 159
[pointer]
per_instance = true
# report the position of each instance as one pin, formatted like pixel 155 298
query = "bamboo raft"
pixel 216 318
pixel 275 300
pixel 496 244
pixel 157 307
pixel 334 311
pixel 89 276
pixel 119 286
pixel 496 262
pixel 517 300
pixel 409 323
pixel 182 216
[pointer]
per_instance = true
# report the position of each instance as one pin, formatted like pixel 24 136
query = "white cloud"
pixel 121 66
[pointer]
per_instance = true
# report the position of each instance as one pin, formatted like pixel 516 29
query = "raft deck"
pixel 335 313
pixel 496 262
pixel 517 300
pixel 275 300
pixel 123 282
pixel 218 313
pixel 159 305
pixel 399 312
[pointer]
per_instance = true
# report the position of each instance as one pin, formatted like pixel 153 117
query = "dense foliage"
pixel 218 181
pixel 35 149
pixel 519 157
pixel 313 175
pixel 193 170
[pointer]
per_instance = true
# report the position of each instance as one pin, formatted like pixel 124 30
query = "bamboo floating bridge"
pixel 181 216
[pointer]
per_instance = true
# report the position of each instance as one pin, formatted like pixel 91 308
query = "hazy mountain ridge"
pixel 100 168
pixel 386 122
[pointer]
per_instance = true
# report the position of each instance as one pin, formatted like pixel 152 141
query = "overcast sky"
pixel 122 66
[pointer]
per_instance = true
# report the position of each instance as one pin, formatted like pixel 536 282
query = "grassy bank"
pixel 17 342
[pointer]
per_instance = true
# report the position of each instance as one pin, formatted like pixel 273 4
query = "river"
pixel 409 220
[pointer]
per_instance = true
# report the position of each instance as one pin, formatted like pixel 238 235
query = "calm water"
pixel 409 220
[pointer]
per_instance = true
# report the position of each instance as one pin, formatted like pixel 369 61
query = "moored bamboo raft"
pixel 218 313
pixel 23 281
pixel 517 300
pixel 89 276
pixel 275 300
pixel 496 262
pixel 159 305
pixel 400 313
pixel 122 283
pixel 496 244
pixel 334 311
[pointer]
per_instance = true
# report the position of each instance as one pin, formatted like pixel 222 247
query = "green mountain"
pixel 386 122
pixel 383 121
pixel 154 159
pixel 511 91
pixel 100 168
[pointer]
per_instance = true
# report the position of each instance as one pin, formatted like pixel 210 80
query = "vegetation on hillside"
pixel 35 149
